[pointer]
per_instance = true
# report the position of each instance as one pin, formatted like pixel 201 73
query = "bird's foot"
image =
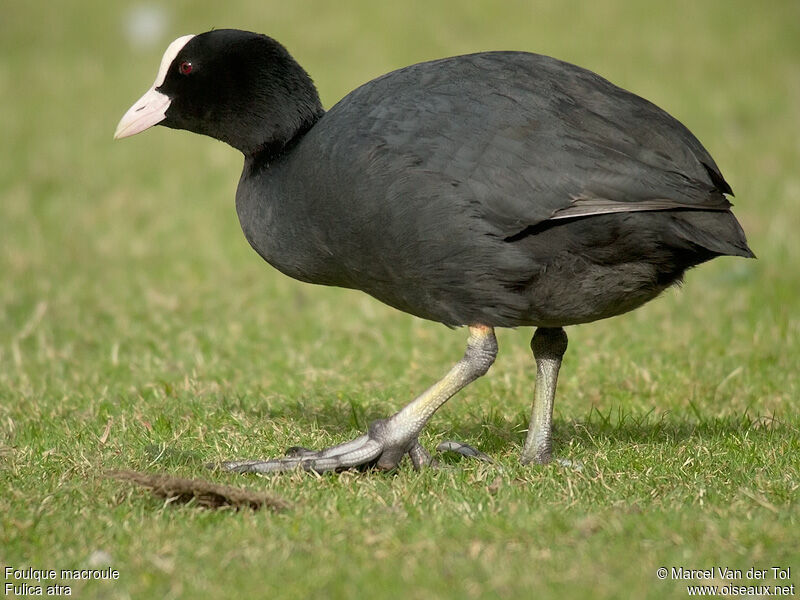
pixel 383 446
pixel 542 455
pixel 388 440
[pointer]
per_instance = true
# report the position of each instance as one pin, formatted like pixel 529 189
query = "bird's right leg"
pixel 548 345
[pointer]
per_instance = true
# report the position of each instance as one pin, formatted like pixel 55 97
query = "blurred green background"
pixel 139 330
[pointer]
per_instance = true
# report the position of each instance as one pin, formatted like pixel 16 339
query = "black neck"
pixel 271 149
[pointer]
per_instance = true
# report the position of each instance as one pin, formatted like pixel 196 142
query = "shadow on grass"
pixel 493 431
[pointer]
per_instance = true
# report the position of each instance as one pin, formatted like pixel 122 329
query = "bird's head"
pixel 239 87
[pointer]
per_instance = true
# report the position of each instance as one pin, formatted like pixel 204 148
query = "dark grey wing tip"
pixel 718 180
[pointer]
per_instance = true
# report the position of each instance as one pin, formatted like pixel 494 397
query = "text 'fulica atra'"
pixel 489 190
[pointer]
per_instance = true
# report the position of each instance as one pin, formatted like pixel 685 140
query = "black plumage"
pixel 496 189
pixel 469 186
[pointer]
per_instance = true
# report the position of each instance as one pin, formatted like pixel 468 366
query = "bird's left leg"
pixel 388 440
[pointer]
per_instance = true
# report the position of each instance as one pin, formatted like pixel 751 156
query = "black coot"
pixel 490 190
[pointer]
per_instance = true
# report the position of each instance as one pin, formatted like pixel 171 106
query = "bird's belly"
pixel 566 291
pixel 574 292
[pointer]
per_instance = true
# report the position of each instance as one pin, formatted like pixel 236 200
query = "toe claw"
pixel 419 456
pixel 464 450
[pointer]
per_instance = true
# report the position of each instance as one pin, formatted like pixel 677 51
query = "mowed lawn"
pixel 138 330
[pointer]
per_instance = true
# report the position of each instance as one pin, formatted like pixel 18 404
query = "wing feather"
pixel 520 138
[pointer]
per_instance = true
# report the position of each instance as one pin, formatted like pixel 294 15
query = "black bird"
pixel 489 190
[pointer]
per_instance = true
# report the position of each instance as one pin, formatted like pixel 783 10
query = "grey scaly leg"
pixel 388 440
pixel 548 345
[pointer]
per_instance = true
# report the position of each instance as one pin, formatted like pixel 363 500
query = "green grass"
pixel 131 304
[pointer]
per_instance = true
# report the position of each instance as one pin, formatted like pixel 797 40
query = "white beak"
pixel 151 108
pixel 146 112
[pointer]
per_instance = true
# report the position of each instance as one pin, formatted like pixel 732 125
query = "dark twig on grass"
pixel 204 493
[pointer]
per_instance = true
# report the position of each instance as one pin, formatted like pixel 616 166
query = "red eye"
pixel 185 68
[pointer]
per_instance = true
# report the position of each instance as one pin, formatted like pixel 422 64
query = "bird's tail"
pixel 716 231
